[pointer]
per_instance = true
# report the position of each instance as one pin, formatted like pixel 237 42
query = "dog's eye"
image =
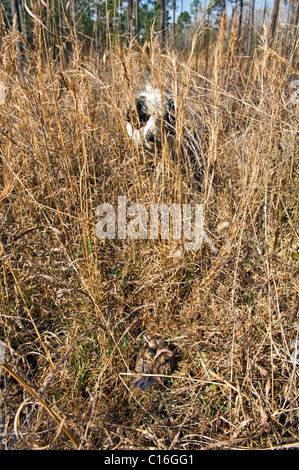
pixel 142 111
pixel 143 117
pixel 135 118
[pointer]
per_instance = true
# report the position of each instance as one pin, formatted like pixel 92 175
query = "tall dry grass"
pixel 73 307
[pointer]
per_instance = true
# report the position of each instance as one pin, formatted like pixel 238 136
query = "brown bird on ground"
pixel 153 358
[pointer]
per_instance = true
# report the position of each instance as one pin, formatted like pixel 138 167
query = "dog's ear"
pixel 146 49
pixel 147 76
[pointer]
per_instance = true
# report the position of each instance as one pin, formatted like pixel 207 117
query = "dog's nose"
pixel 151 137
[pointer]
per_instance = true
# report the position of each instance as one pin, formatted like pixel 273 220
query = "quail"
pixel 153 358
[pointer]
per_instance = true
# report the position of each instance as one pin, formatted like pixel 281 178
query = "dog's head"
pixel 151 117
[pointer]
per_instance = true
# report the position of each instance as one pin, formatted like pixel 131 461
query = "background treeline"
pixel 100 24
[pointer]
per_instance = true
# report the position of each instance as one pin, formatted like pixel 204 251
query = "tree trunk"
pixel 22 21
pixel 173 22
pixel 251 30
pixel 74 17
pixel 274 21
pixel 207 43
pixel 15 6
pixel 240 19
pixel 265 11
pixel 137 18
pixel 130 17
pixel 15 14
pixel 163 22
pixel 98 24
pixel 293 31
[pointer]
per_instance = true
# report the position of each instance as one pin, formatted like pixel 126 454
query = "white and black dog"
pixel 151 122
pixel 152 116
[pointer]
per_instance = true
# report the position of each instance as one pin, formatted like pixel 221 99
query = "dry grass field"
pixel 74 308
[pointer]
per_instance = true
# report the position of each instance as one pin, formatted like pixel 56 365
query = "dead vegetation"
pixel 73 308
